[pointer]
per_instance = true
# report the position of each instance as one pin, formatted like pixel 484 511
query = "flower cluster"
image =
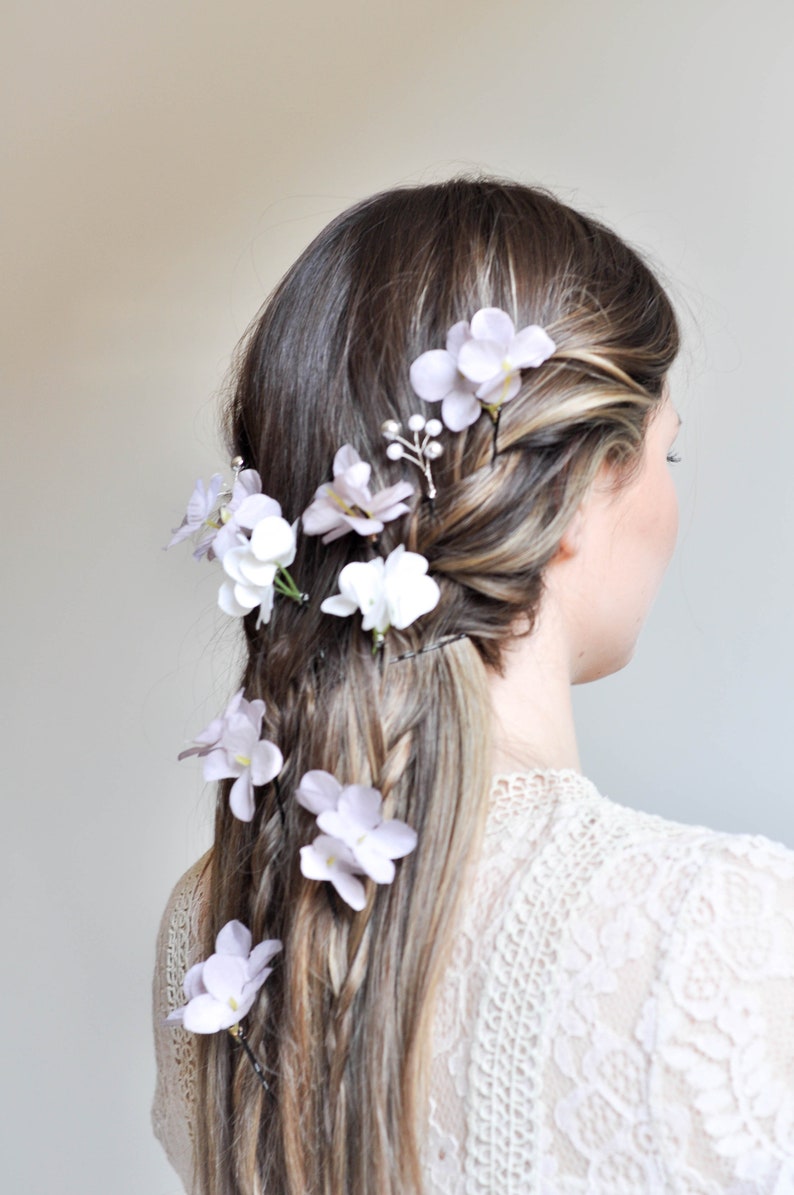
pixel 480 366
pixel 250 539
pixel 231 746
pixel 222 989
pixel 243 529
pixel 356 839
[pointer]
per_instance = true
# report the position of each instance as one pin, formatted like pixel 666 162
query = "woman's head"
pixel 345 1020
pixel 328 362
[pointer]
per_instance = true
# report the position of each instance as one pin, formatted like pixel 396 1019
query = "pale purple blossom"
pixel 356 839
pixel 253 566
pixel 329 859
pixel 480 367
pixel 392 592
pixel 201 517
pixel 231 746
pixel 222 989
pixel 246 507
pixel 347 503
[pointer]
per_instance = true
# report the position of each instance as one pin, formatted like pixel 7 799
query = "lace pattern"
pixel 617 1016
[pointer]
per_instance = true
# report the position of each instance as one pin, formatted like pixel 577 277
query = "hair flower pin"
pixel 231 747
pixel 222 989
pixel 422 451
pixel 356 840
pixel 347 503
pixel 480 368
pixel 389 593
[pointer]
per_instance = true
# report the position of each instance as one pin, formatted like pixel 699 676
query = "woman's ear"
pixel 572 536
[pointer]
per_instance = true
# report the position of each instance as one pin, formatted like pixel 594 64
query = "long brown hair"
pixel 343 1024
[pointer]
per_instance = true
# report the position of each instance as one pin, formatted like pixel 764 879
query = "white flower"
pixel 347 503
pixel 481 365
pixel 222 989
pixel 356 840
pixel 253 566
pixel 394 592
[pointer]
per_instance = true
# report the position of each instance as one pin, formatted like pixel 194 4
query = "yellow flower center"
pixel 243 761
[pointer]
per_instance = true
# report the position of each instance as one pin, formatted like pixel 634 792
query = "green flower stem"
pixel 285 585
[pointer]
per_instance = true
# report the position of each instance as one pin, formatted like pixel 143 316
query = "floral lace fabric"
pixel 617 1017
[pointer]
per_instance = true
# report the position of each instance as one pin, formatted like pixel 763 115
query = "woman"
pixel 538 990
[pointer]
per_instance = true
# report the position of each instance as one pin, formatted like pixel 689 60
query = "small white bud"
pixel 390 429
pixel 394 452
pixel 434 450
pixel 416 423
pixel 434 427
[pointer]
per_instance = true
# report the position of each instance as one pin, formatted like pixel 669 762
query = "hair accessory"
pixel 247 534
pixel 389 593
pixel 356 840
pixel 420 452
pixel 420 651
pixel 480 368
pixel 231 747
pixel 347 504
pixel 221 990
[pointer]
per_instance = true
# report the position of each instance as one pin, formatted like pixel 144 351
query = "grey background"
pixel 163 162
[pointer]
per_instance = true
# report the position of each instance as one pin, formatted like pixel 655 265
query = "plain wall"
pixel 163 163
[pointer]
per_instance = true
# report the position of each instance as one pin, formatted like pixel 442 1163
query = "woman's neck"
pixel 533 725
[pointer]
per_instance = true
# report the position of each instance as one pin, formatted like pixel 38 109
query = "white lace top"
pixel 618 1016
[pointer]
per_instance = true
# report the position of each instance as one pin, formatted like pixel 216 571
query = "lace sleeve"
pixel 177 946
pixel 722 1088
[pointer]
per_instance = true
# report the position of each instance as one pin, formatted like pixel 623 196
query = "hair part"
pixel 343 1025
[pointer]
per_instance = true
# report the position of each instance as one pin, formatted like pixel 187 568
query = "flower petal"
pixel 318 791
pixel 530 347
pixel 224 976
pixel 433 374
pixel 339 605
pixel 261 956
pixel 206 1015
pixel 350 889
pixel 459 410
pixel 481 360
pixel 241 797
pixel 228 601
pixel 491 323
pixel 457 336
pixel 234 938
pixel 393 838
pixel 218 766
pixel 273 539
pixel 193 984
pixel 374 864
pixel 361 803
pixel 266 762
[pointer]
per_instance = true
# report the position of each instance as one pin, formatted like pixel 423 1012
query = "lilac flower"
pixel 246 507
pixel 356 839
pixel 392 592
pixel 480 367
pixel 231 747
pixel 347 503
pixel 222 989
pixel 201 517
pixel 255 567
pixel 496 354
pixel 329 859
